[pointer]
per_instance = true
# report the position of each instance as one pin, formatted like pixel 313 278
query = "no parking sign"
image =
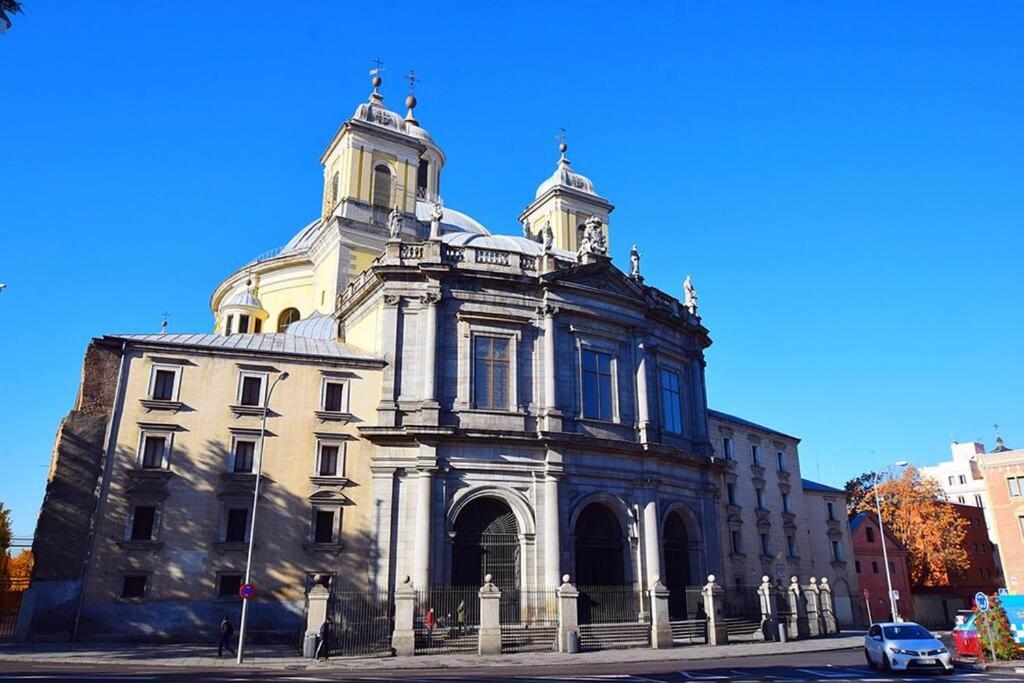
pixel 246 591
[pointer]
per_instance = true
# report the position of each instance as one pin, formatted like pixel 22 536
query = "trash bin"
pixel 572 642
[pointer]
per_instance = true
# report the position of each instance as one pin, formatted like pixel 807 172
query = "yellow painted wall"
pixel 364 333
pixel 325 280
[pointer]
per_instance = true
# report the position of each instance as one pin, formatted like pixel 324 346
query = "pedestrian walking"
pixel 461 615
pixel 226 631
pixel 321 639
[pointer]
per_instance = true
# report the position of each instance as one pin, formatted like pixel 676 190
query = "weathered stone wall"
pixel 62 532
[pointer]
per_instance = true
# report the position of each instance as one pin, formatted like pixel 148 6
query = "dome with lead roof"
pixel 565 177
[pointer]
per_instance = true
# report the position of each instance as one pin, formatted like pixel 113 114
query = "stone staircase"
pixel 691 631
pixel 614 636
pixel 743 629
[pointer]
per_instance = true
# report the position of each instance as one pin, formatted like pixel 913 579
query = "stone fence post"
pixel 766 594
pixel 661 630
pixel 568 619
pixel 316 616
pixel 403 638
pixel 828 610
pixel 718 633
pixel 797 626
pixel 490 618
pixel 813 608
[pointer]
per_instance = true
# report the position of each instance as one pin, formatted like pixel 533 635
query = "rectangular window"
pixel 1020 520
pixel 856 565
pixel 755 454
pixel 952 480
pixel 759 494
pixel 228 585
pixel 786 503
pixel 766 545
pixel 334 396
pixel 791 546
pixel 837 551
pixel 163 385
pixel 831 508
pixel 323 526
pixel 328 466
pixel 245 452
pixel 243 324
pixel 235 531
pixel 727 446
pixel 134 586
pixel 1014 483
pixel 869 532
pixel 258 327
pixel 143 523
pixel 153 448
pixel 251 392
pixel 780 456
pixel 892 567
pixel 874 567
pixel 960 499
pixel 978 502
pixel 734 536
pixel 671 402
pixel 963 479
pixel 597 385
pixel 730 490
pixel 490 373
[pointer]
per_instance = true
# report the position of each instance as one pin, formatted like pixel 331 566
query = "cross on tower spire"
pixel 562 137
pixel 163 325
pixel 413 80
pixel 378 67
pixel 376 71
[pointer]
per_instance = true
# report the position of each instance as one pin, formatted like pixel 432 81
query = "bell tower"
pixel 566 200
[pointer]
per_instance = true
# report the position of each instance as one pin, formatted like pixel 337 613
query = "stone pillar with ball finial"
pixel 714 600
pixel 568 618
pixel 490 618
pixel 403 638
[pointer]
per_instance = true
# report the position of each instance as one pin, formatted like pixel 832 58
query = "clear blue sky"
pixel 843 179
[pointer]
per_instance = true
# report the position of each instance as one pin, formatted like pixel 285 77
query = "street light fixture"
pixel 881 533
pixel 252 522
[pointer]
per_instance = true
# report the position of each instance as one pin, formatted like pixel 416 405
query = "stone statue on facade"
pixel 689 295
pixel 395 223
pixel 526 229
pixel 547 237
pixel 436 214
pixel 593 241
pixel 634 264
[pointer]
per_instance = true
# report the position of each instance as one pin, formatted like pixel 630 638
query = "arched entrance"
pixel 486 541
pixel 676 544
pixel 598 548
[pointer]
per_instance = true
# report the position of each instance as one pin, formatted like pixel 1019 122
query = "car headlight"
pixel 942 650
pixel 897 651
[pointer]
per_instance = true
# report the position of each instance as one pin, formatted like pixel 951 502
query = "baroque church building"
pixel 421 398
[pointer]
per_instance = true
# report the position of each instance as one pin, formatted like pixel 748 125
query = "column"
pixel 387 409
pixel 797 626
pixel 642 397
pixel 552 532
pixel 551 412
pixel 430 300
pixel 421 553
pixel 652 539
pixel 700 406
pixel 813 608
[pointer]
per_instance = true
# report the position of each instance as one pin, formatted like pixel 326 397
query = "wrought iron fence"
pixel 447 619
pixel 741 602
pixel 11 592
pixel 362 622
pixel 612 617
pixel 529 620
pixel 687 617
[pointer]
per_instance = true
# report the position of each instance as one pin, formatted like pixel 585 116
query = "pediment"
pixel 599 277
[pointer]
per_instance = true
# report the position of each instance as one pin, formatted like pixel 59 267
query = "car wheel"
pixel 871 662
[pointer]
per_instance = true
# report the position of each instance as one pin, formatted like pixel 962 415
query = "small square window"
pixel 143 523
pixel 831 508
pixel 134 586
pixel 251 391
pixel 323 526
pixel 228 585
pixel 163 384
pixel 153 450
pixel 329 460
pixel 237 527
pixel 334 396
pixel 245 455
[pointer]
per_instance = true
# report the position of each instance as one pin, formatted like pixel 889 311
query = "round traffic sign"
pixel 981 600
pixel 246 591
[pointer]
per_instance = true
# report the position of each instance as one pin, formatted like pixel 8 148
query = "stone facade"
pixel 516 399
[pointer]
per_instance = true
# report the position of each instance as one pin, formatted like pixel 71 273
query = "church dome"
pixel 244 299
pixel 565 177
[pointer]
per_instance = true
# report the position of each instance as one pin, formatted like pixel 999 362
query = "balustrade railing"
pixel 497 258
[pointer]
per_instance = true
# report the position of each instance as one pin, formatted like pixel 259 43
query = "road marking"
pixel 824 674
pixel 704 678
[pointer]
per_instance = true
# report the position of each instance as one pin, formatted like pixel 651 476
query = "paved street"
pixel 832 667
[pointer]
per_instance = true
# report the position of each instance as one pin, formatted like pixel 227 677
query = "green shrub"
pixel 1002 640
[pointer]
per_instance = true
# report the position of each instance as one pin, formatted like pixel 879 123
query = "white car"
pixel 905 646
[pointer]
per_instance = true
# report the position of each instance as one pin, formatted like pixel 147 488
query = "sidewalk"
pixel 285 657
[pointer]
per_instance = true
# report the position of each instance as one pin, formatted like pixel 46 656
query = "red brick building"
pixel 1003 470
pixel 869 563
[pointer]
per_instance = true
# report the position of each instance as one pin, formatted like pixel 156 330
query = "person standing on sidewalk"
pixel 226 631
pixel 321 638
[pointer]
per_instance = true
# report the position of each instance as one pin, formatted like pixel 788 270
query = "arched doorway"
pixel 676 544
pixel 486 541
pixel 598 548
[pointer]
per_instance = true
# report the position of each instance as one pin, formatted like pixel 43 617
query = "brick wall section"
pixel 62 530
pixel 998 468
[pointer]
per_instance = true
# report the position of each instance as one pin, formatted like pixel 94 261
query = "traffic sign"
pixel 895 594
pixel 247 590
pixel 981 600
pixel 1003 591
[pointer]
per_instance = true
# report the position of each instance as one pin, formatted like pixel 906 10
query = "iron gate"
pixel 612 617
pixel 362 622
pixel 447 619
pixel 688 620
pixel 11 592
pixel 529 621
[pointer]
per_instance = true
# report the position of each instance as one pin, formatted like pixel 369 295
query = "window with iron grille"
pixel 491 372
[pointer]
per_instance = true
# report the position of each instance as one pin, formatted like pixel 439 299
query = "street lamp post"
pixel 881 533
pixel 252 522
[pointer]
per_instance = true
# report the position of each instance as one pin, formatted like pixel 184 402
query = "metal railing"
pixel 362 622
pixel 741 602
pixel 11 592
pixel 447 619
pixel 529 620
pixel 612 617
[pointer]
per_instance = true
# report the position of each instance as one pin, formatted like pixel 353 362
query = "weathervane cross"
pixel 413 80
pixel 562 136
pixel 378 68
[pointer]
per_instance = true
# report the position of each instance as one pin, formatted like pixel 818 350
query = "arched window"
pixel 422 175
pixel 382 186
pixel 486 541
pixel 287 317
pixel 334 188
pixel 599 548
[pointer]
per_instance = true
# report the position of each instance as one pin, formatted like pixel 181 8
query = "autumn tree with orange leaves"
pixel 916 513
